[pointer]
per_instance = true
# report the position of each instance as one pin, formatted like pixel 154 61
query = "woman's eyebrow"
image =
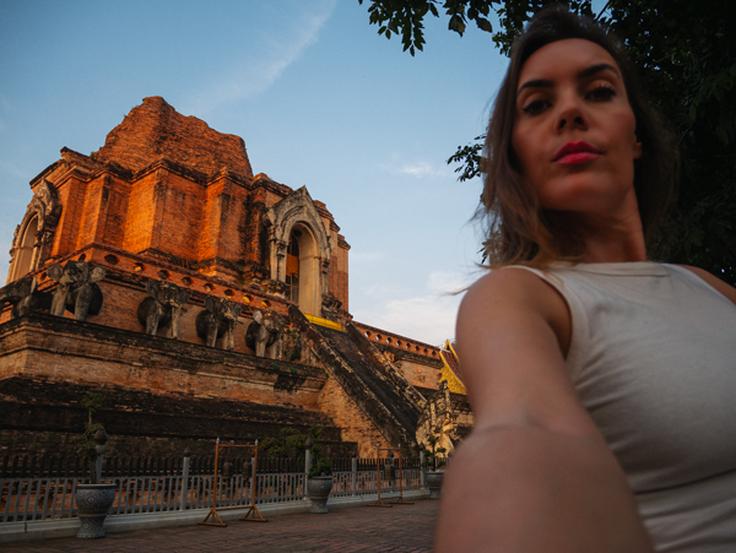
pixel 536 83
pixel 597 68
pixel 582 74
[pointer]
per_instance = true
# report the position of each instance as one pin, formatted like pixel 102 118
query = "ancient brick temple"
pixel 199 300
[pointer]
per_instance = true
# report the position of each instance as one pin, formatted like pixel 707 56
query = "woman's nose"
pixel 571 117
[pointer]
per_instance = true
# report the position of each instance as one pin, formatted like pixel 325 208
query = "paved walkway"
pixel 400 529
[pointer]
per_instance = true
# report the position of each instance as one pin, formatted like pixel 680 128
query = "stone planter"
pixel 93 503
pixel 318 490
pixel 434 482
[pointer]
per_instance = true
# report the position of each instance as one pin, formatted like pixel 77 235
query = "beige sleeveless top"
pixel 653 359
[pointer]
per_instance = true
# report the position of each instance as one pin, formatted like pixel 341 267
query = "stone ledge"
pixel 34 345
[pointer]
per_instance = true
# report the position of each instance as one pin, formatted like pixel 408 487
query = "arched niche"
pixel 25 249
pixel 295 220
pixel 303 269
pixel 33 237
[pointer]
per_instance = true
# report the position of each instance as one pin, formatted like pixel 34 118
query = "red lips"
pixel 574 153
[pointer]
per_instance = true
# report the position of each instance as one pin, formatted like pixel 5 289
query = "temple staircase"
pixel 366 375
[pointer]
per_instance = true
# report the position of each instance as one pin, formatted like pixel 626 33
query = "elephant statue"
pixel 76 290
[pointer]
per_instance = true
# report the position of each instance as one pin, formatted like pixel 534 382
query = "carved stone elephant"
pixel 77 290
pixel 218 319
pixel 19 294
pixel 162 308
pixel 262 334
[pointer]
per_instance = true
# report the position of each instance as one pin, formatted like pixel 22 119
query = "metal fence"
pixel 36 490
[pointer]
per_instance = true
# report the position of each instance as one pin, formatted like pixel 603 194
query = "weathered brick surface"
pixel 352 419
pixel 65 350
pixel 71 197
pixel 220 228
pixel 45 416
pixel 402 346
pixel 115 201
pixel 139 215
pixel 161 188
pixel 169 199
pixel 127 198
pixel 154 130
pixel 382 398
pixel 122 298
pixel 419 374
pixel 460 404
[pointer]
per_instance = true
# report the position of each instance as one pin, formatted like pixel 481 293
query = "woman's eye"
pixel 535 107
pixel 601 93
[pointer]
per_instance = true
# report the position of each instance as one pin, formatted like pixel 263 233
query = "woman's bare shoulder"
pixel 515 288
pixel 512 354
pixel 723 287
pixel 506 294
pixel 512 284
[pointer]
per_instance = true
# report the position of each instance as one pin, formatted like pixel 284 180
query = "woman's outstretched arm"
pixel 535 475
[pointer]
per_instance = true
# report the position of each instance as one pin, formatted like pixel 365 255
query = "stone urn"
pixel 318 491
pixel 434 482
pixel 93 503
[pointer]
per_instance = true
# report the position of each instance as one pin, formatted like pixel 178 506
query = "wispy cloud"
pixel 366 257
pixel 445 283
pixel 251 77
pixel 423 169
pixel 428 316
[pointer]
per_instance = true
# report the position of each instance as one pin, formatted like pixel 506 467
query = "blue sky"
pixel 319 98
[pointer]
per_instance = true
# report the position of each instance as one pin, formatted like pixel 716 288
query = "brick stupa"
pixel 219 306
pixel 155 130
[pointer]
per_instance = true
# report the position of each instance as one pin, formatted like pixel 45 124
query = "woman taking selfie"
pixel 603 384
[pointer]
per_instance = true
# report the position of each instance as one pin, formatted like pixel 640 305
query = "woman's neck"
pixel 614 249
pixel 613 237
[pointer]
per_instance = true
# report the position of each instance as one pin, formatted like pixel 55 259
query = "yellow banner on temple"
pixel 324 322
pixel 449 372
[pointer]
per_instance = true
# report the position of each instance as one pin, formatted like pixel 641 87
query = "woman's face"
pixel 574 129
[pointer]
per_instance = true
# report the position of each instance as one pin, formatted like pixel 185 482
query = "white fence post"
pixel 49 496
pixel 184 481
pixel 254 476
pixel 354 475
pixel 307 467
pixel 421 469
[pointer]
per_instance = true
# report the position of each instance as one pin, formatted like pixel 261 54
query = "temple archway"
pixel 302 269
pixel 293 267
pixel 299 250
pixel 24 252
pixel 33 237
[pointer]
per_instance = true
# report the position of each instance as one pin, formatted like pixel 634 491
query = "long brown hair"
pixel 519 230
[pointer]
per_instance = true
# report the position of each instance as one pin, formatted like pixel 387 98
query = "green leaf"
pixel 456 24
pixel 484 24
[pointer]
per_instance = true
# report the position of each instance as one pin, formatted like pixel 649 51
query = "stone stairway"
pixel 391 402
